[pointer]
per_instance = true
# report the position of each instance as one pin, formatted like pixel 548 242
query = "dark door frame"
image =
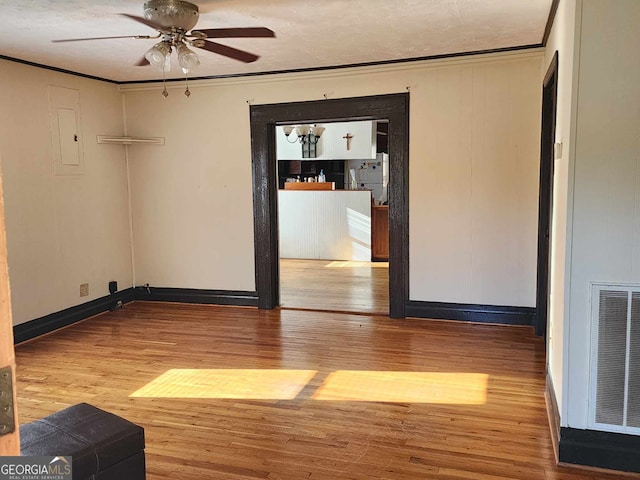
pixel 264 118
pixel 545 204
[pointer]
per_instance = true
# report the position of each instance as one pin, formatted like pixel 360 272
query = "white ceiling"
pixel 309 33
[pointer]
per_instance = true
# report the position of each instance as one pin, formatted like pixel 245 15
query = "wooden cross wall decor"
pixel 348 137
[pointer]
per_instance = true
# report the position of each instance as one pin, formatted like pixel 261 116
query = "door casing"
pixel 545 205
pixel 264 119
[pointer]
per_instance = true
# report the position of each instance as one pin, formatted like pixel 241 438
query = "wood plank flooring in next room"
pixel 335 285
pixel 232 393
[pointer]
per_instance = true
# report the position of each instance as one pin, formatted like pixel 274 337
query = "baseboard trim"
pixel 590 448
pixel 54 321
pixel 471 312
pixel 612 451
pixel 553 414
pixel 198 296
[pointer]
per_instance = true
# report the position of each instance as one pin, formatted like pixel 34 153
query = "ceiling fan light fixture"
pixel 187 58
pixel 159 56
pixel 173 21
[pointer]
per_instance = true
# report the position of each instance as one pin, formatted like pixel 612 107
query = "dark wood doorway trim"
pixel 264 118
pixel 545 205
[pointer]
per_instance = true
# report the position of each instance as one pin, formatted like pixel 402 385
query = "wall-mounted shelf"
pixel 130 140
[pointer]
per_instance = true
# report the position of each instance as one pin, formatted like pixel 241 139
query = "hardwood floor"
pixel 333 285
pixel 241 394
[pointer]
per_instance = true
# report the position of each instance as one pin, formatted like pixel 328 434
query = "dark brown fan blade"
pixel 143 62
pixel 230 52
pixel 98 38
pixel 259 32
pixel 142 20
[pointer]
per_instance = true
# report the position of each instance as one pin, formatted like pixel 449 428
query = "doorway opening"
pixel 333 217
pixel 264 119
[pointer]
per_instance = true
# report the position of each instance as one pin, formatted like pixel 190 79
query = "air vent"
pixel 615 366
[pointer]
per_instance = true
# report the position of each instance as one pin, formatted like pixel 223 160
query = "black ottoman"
pixel 103 445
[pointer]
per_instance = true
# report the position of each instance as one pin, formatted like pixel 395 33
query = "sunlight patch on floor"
pixel 405 387
pixel 452 388
pixel 354 264
pixel 257 384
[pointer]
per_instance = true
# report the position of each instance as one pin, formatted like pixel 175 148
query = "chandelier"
pixel 304 133
pixel 307 135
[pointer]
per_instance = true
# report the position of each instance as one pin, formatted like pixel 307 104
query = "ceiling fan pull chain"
pixel 165 94
pixel 187 92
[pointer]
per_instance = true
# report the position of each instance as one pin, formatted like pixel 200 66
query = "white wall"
pixel 192 198
pixel 563 40
pixel 474 183
pixel 61 230
pixel 606 203
pixel 474 148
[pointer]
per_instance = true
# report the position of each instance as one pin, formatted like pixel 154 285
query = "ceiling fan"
pixel 174 20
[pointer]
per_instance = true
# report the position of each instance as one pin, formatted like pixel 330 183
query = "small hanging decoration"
pixel 348 138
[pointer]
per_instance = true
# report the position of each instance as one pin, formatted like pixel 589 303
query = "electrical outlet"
pixel 84 289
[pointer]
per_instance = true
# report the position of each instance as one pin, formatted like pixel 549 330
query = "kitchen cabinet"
pixel 332 143
pixel 380 233
pixel 334 171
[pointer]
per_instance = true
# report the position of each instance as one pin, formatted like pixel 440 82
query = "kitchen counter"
pixel 309 186
pixel 325 225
